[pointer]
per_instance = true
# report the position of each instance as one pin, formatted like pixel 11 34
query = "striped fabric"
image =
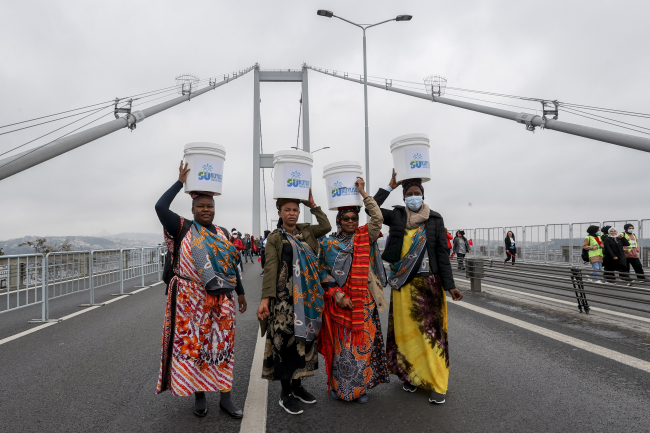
pixel 202 338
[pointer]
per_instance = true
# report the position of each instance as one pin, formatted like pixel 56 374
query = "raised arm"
pixel 376 217
pixel 323 227
pixel 170 220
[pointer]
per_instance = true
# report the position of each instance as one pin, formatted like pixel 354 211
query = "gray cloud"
pixel 64 54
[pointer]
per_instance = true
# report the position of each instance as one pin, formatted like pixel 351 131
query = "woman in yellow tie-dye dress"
pixel 417 348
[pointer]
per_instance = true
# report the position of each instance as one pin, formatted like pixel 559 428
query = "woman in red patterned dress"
pixel 199 332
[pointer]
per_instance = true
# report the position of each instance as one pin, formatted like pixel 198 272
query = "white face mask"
pixel 599 233
pixel 630 231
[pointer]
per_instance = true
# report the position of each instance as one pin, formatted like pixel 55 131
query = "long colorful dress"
pixel 417 346
pixel 290 351
pixel 355 361
pixel 198 340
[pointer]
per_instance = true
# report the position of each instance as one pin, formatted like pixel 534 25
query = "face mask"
pixel 630 231
pixel 414 202
pixel 599 233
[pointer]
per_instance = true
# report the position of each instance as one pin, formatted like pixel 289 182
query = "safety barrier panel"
pixel 31 279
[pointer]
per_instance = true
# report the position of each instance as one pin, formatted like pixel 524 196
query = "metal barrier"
pixel 644 242
pixel 481 242
pixel 535 243
pixel 618 290
pixel 495 242
pixel 21 277
pixel 31 279
pixel 558 243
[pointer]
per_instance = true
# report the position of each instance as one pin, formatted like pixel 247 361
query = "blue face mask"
pixel 414 202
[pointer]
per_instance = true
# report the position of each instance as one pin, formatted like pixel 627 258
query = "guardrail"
pixel 550 243
pixel 32 279
pixel 619 290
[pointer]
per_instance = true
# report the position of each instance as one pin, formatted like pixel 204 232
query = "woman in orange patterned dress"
pixel 199 333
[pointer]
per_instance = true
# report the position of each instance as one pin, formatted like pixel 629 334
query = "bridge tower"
pixel 260 160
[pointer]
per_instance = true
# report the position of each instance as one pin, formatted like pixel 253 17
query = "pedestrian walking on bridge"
pixel 420 273
pixel 292 302
pixel 461 248
pixel 632 254
pixel 511 249
pixel 353 279
pixel 199 333
pixel 614 255
pixel 593 244
pixel 248 247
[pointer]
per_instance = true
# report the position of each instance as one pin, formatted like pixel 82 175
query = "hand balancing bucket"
pixel 411 157
pixel 205 161
pixel 339 180
pixel 292 174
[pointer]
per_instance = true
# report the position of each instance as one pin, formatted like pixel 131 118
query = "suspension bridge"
pixel 80 331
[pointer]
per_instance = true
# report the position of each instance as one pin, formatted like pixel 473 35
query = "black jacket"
pixel 436 239
pixel 509 242
pixel 613 247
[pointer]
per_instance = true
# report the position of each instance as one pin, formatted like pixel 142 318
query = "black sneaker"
pixel 303 395
pixel 436 398
pixel 291 405
pixel 408 387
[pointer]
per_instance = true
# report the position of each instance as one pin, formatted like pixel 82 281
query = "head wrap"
pixel 282 201
pixel 195 194
pixel 627 226
pixel 592 230
pixel 343 211
pixel 406 184
pixel 605 229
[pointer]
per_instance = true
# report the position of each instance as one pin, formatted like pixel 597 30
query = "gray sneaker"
pixel 408 387
pixel 436 398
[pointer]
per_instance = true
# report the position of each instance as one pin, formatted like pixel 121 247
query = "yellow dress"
pixel 417 347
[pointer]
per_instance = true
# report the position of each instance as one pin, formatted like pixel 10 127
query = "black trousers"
pixel 638 269
pixel 461 261
pixel 610 271
pixel 510 254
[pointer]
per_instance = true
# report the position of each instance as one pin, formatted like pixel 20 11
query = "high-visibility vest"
pixel 596 252
pixel 632 240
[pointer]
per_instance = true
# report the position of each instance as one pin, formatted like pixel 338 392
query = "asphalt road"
pixel 97 372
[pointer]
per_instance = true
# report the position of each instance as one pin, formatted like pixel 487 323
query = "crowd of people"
pixel 612 252
pixel 320 294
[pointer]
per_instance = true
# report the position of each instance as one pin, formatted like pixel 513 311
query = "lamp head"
pixel 403 17
pixel 324 13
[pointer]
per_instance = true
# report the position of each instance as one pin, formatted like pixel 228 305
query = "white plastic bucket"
pixel 292 174
pixel 411 157
pixel 339 178
pixel 205 161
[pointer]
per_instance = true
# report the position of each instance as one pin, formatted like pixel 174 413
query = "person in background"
pixel 614 255
pixel 594 245
pixel 449 239
pixel 461 248
pixel 632 254
pixel 257 244
pixel 263 247
pixel 511 249
pixel 236 241
pixel 248 247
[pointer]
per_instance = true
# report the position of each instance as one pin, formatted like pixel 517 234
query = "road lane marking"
pixel 69 316
pixel 254 420
pixel 589 347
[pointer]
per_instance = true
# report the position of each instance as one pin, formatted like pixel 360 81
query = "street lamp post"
pixel 330 14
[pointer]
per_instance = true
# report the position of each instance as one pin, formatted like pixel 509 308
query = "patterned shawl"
pixel 216 260
pixel 307 291
pixel 346 266
pixel 400 271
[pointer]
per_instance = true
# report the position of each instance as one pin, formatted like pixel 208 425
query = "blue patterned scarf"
pixel 307 291
pixel 400 271
pixel 215 259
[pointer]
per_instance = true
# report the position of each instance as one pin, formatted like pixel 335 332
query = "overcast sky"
pixel 59 55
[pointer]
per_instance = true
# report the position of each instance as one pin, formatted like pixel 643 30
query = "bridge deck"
pixel 97 372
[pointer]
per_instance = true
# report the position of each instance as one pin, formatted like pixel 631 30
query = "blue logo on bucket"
pixel 339 190
pixel 418 162
pixel 207 174
pixel 294 181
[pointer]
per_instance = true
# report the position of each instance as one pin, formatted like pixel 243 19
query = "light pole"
pixel 330 14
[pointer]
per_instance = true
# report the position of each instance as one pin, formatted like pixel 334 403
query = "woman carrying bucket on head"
pixel 353 280
pixel 420 273
pixel 199 331
pixel 292 297
pixel 292 302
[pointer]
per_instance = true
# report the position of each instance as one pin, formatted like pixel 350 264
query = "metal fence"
pixel 31 279
pixel 550 243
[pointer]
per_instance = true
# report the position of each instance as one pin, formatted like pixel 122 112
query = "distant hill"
pixel 86 243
